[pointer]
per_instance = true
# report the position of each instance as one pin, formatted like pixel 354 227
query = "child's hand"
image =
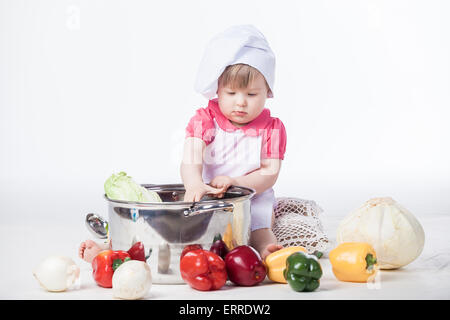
pixel 196 192
pixel 223 183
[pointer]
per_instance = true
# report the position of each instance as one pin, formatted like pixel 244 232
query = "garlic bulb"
pixel 395 234
pixel 56 273
pixel 132 280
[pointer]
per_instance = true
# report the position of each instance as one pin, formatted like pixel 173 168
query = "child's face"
pixel 242 105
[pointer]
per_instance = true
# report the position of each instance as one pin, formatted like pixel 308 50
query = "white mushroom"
pixel 132 280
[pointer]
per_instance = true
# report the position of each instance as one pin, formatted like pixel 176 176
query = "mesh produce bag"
pixel 297 224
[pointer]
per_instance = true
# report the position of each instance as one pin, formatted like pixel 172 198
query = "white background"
pixel 88 88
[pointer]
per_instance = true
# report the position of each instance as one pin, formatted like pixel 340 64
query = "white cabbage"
pixel 394 232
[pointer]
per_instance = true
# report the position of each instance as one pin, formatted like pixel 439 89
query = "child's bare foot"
pixel 272 247
pixel 89 249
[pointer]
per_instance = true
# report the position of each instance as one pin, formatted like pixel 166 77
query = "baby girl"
pixel 234 140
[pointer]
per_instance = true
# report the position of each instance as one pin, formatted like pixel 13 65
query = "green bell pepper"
pixel 302 272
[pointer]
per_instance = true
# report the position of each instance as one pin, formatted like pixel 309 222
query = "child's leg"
pixel 264 241
pixel 89 249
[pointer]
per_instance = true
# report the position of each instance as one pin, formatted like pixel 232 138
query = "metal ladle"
pixel 97 225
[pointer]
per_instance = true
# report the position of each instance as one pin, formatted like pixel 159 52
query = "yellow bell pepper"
pixel 276 262
pixel 353 261
pixel 228 237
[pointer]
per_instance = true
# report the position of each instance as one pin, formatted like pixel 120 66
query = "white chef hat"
pixel 239 44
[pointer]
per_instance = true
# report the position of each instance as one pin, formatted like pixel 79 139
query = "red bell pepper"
pixel 137 252
pixel 104 265
pixel 190 247
pixel 203 270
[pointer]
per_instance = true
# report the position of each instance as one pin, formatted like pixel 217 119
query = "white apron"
pixel 236 154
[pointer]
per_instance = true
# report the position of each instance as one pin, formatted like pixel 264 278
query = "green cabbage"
pixel 122 187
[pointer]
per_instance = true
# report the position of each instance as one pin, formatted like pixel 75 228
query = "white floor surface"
pixel 24 246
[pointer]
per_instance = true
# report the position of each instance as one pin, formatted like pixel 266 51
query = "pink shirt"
pixel 270 129
pixel 234 151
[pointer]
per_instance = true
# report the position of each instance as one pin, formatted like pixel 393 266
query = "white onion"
pixel 132 280
pixel 56 273
pixel 394 232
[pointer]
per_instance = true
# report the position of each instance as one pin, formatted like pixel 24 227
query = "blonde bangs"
pixel 238 76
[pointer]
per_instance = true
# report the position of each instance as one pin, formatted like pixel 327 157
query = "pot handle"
pixel 97 225
pixel 198 209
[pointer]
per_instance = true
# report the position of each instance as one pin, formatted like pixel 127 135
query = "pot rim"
pixel 155 187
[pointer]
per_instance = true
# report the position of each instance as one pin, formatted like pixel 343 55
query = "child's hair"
pixel 239 76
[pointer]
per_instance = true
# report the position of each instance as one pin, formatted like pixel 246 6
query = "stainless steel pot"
pixel 165 228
